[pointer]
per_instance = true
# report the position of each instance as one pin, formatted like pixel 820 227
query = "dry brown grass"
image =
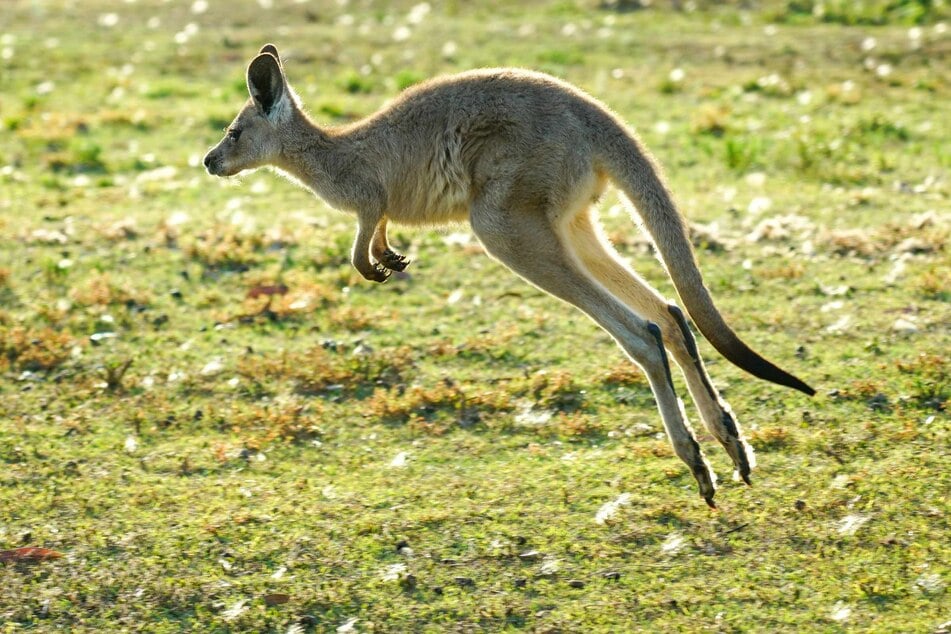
pixel 101 290
pixel 34 350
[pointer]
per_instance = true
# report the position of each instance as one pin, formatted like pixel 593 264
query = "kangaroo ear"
pixel 270 48
pixel 267 85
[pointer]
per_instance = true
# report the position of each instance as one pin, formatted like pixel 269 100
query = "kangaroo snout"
pixel 212 163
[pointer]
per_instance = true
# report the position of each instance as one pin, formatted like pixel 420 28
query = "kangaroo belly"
pixel 434 190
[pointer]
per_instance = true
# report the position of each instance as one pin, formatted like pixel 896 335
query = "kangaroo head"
pixel 254 137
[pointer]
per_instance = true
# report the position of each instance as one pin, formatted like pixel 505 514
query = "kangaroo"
pixel 524 157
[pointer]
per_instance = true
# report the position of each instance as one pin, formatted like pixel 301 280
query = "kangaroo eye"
pixel 234 134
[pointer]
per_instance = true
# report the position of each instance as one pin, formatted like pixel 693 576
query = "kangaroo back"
pixel 636 174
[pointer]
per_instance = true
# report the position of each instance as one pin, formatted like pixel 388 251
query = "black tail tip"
pixel 796 384
pixel 743 357
pixel 781 377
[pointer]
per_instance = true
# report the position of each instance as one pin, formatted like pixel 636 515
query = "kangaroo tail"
pixel 632 168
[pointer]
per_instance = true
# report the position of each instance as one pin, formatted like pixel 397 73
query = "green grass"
pixel 431 454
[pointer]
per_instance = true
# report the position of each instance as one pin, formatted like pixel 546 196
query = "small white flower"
pixel 362 350
pixel 897 270
pixel 549 566
pixel 759 204
pixel 213 367
pixel 841 612
pixel 840 325
pixel 673 543
pixel 930 583
pixel 235 610
pixel 756 179
pixel 301 304
pixel 609 509
pixel 850 524
pixel 530 416
pixel 393 572
pixel 905 325
pixel 418 13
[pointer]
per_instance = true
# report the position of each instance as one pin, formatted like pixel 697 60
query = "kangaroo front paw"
pixel 394 261
pixel 376 273
pixel 381 273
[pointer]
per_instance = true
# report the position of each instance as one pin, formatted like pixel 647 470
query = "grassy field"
pixel 453 450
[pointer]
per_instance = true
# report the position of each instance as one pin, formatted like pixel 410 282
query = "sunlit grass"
pixel 222 427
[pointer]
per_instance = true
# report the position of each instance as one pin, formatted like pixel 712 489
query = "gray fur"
pixel 523 157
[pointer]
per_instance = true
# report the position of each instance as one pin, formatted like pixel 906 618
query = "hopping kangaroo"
pixel 524 157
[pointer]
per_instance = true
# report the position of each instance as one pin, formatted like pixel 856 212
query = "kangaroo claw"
pixel 379 274
pixel 394 261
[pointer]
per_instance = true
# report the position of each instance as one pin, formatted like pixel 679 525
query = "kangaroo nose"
pixel 207 160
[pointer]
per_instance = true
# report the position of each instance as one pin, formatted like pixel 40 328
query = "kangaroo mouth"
pixel 214 165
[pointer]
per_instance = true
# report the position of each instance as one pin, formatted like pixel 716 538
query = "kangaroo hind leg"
pixel 527 243
pixel 605 265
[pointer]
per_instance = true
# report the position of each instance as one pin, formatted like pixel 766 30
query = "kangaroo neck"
pixel 314 157
pixel 307 150
pixel 328 163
